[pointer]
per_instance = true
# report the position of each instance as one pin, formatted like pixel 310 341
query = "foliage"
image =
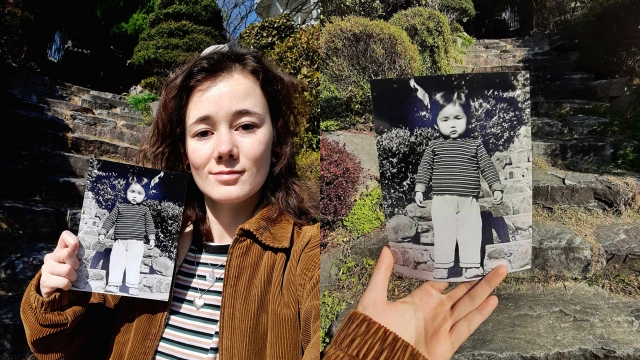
pixel 141 102
pixel 153 84
pixel 608 41
pixel 399 153
pixel 264 35
pixel 429 31
pixel 167 217
pixel 455 10
pixel 353 51
pixel 330 125
pixel 366 213
pixel 370 9
pixel 308 164
pixel 177 31
pixel 556 14
pixel 299 56
pixel 340 174
pixel 330 308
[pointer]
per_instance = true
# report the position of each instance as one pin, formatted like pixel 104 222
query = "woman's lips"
pixel 228 174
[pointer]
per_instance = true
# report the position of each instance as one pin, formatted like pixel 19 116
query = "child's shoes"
pixel 111 289
pixel 441 273
pixel 133 291
pixel 470 273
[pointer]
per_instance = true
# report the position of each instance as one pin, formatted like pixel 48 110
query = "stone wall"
pixel 507 228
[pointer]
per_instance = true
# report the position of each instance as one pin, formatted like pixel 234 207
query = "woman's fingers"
pixel 460 290
pixel 438 286
pixel 380 279
pixel 63 256
pixel 468 324
pixel 68 240
pixel 49 283
pixel 479 293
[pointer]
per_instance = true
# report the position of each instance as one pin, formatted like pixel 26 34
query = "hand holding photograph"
pixel 129 230
pixel 455 170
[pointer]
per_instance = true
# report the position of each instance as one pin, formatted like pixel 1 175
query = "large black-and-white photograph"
pixel 455 168
pixel 129 229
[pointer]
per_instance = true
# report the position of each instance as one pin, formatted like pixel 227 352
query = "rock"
pixel 163 266
pixel 162 286
pixel 13 344
pixel 557 250
pixel 329 268
pixel 154 107
pixel 416 211
pixel 569 322
pixel 26 263
pixel 610 88
pixel 621 243
pixel 151 253
pixel 515 255
pixel 370 245
pixel 400 228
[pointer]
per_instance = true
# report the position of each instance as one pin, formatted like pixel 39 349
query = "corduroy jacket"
pixel 270 308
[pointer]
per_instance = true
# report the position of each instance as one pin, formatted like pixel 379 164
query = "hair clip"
pixel 215 48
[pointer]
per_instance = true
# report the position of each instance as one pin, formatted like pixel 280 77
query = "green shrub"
pixel 456 10
pixel 141 102
pixel 330 125
pixel 153 84
pixel 178 30
pixel 308 164
pixel 353 51
pixel 264 35
pixel 330 308
pixel 366 213
pixel 429 31
pixel 299 56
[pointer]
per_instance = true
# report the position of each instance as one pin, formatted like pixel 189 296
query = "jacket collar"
pixel 269 228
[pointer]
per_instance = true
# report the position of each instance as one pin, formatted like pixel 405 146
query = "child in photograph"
pixel 132 222
pixel 452 165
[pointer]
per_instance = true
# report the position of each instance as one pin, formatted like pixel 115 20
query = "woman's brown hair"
pixel 165 145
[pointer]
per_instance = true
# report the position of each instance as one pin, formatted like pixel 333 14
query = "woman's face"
pixel 229 138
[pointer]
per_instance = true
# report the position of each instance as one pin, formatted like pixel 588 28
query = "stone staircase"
pixel 49 131
pixel 571 319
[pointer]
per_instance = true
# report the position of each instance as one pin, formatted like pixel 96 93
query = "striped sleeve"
pixel 148 223
pixel 111 219
pixel 487 169
pixel 425 170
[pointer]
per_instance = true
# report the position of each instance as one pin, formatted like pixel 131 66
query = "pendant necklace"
pixel 198 302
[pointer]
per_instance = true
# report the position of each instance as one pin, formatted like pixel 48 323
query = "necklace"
pixel 198 302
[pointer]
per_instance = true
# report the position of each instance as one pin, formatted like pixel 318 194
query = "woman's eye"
pixel 203 134
pixel 247 127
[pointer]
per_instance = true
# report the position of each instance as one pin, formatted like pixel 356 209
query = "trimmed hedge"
pixel 430 32
pixel 353 51
pixel 457 10
pixel 264 35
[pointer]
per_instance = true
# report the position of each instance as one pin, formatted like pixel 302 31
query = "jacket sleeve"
pixel 309 295
pixel 425 170
pixel 487 168
pixel 56 326
pixel 362 338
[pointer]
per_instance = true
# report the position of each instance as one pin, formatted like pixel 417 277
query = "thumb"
pixel 380 279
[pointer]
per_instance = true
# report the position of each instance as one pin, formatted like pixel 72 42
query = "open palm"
pixel 435 323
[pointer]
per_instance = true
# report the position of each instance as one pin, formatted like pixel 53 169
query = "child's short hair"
pixel 440 100
pixel 138 180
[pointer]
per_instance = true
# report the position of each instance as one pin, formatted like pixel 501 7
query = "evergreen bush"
pixel 353 51
pixel 340 174
pixel 177 31
pixel 266 34
pixel 430 31
pixel 457 10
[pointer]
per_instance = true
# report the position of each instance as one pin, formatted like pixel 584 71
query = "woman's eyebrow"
pixel 237 113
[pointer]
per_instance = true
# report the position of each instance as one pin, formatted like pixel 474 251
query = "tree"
pixel 177 31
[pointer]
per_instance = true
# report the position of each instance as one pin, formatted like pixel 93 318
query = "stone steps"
pixel 573 126
pixel 47 161
pixel 595 150
pixel 553 188
pixel 549 107
pixel 31 183
pixel 573 321
pixel 487 69
pixel 33 218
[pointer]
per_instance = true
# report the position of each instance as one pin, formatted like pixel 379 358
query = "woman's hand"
pixel 497 197
pixel 59 269
pixel 420 199
pixel 434 323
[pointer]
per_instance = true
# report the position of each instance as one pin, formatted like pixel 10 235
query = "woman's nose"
pixel 225 146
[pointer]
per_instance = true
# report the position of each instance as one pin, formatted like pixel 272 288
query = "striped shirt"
pixel 190 333
pixel 453 167
pixel 131 221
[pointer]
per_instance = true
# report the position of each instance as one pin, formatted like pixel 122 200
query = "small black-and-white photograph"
pixel 129 229
pixel 455 168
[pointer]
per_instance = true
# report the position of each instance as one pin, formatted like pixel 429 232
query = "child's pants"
pixel 456 219
pixel 126 254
